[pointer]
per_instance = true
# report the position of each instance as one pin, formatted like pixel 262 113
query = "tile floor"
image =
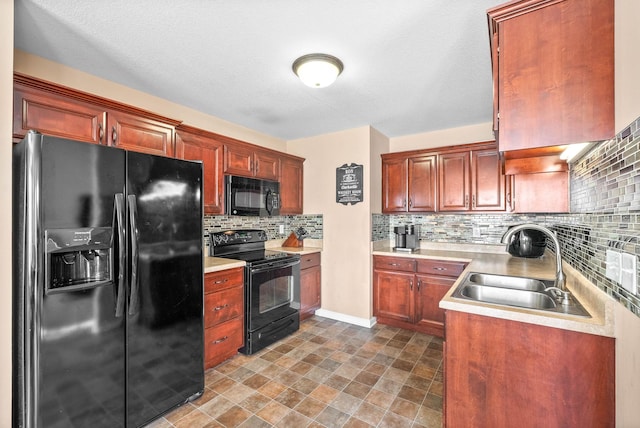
pixel 328 374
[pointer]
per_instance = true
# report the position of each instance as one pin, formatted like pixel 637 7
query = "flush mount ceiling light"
pixel 317 70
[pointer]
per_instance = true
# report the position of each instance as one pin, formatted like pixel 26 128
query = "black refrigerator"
pixel 108 284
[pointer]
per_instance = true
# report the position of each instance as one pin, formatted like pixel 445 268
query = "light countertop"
pixel 494 259
pixel 215 264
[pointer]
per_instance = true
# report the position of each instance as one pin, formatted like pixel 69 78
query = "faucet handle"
pixel 562 296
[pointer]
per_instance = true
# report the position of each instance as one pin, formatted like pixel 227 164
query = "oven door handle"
pixel 274 265
pixel 275 330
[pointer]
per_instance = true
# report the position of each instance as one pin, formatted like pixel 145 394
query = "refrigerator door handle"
pixel 122 260
pixel 133 224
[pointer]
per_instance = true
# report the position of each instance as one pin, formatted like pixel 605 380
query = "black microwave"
pixel 251 196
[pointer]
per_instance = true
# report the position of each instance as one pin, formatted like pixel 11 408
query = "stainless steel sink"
pixel 505 281
pixel 508 296
pixel 515 291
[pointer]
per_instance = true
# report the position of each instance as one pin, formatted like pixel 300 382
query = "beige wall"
pixel 627 67
pixel 445 137
pixel 6 117
pixel 54 72
pixel 346 282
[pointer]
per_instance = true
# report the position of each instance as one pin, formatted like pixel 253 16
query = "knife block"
pixel 293 241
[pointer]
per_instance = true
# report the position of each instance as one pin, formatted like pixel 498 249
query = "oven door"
pixel 273 292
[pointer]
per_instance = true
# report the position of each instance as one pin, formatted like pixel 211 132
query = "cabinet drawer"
pixel 223 279
pixel 439 267
pixel 223 340
pixel 309 260
pixel 223 305
pixel 394 263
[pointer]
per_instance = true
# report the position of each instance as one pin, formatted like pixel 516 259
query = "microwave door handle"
pixel 269 202
pixel 121 233
pixel 133 225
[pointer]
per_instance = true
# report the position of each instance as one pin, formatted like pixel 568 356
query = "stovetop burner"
pixel 244 244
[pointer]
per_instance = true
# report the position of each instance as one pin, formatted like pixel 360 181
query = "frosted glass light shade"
pixel 317 70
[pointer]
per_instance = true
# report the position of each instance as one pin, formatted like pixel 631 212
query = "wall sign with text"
pixel 349 184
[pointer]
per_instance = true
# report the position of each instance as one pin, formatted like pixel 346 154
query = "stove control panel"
pixel 239 236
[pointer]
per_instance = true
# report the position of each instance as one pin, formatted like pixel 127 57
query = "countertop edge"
pixel 216 264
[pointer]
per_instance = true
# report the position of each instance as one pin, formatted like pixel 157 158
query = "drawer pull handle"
pixel 439 268
pixel 215 342
pixel 219 308
pixel 394 264
pixel 221 281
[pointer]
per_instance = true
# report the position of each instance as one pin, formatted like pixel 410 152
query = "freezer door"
pixel 165 305
pixel 69 340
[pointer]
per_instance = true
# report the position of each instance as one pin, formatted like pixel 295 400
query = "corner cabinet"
pixel 553 72
pixel 64 112
pixel 195 144
pixel 310 282
pixel 291 184
pixel 223 315
pixel 407 291
pixel 471 180
pixel 501 373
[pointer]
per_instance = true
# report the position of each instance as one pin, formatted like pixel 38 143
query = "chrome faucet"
pixel 560 277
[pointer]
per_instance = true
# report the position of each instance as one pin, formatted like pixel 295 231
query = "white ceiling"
pixel 411 66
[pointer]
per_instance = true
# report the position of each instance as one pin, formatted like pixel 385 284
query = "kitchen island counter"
pixel 494 259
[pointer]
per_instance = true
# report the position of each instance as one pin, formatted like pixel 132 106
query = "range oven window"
pixel 275 292
pixel 272 292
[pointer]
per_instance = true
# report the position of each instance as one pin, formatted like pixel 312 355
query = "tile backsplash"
pixel 605 214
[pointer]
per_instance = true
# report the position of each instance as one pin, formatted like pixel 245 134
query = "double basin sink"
pixel 516 291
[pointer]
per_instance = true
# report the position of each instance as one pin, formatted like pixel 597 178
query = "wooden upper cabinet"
pixel 57 115
pixel 553 70
pixel 471 180
pixel 140 134
pixel 195 144
pixel 249 161
pixel 291 185
pixel 64 112
pixel 422 183
pixel 408 183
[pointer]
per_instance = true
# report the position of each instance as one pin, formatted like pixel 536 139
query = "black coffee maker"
pixel 407 238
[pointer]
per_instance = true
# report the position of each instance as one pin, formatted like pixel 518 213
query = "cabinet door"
pixel 291 185
pixel 140 134
pixel 238 160
pixel 393 295
pixel 196 147
pixel 394 185
pixel 56 115
pixel 422 184
pixel 429 291
pixel 487 181
pixel 453 171
pixel 309 291
pixel 555 74
pixel 546 192
pixel 267 165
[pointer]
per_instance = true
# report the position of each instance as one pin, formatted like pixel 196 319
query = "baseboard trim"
pixel 362 322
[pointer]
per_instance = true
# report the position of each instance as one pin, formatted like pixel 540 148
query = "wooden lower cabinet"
pixel 310 282
pixel 223 315
pixel 407 291
pixel 501 373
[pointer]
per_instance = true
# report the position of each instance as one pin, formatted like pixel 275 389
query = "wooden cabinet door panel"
pixel 238 160
pixel 429 291
pixel 393 295
pixel 195 147
pixel 223 305
pixel 215 281
pixel 394 185
pixel 223 341
pixel 487 181
pixel 453 172
pixel 555 76
pixel 394 263
pixel 422 183
pixel 309 291
pixel 56 115
pixel 140 134
pixel 291 186
pixel 546 192
pixel 267 165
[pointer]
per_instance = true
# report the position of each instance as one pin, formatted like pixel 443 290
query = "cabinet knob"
pixel 473 201
pixel 419 281
pixel 466 201
pixel 410 203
